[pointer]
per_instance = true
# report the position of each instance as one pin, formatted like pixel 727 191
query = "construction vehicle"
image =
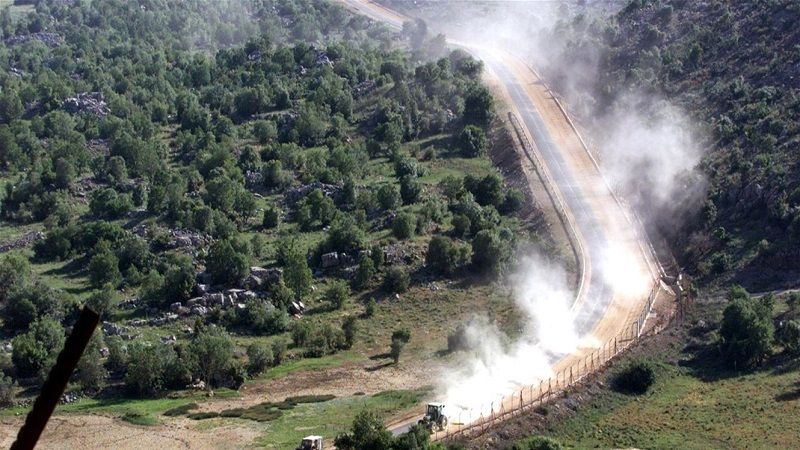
pixel 434 419
pixel 311 443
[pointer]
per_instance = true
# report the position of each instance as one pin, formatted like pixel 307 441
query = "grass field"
pixel 333 417
pixel 694 405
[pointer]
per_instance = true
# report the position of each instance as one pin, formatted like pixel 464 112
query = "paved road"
pixel 600 223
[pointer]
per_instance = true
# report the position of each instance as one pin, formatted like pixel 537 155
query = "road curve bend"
pixel 619 267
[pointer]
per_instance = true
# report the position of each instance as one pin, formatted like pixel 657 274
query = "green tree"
pixel 179 280
pixel 102 301
pixel 108 204
pixel 472 141
pixel 364 273
pixel 490 252
pixel 211 350
pixel 367 433
pixel 396 281
pixel 410 189
pixel 444 256
pixel 91 373
pixel 272 217
pixel 145 374
pixel 228 261
pixel 396 349
pixel 296 272
pixel 35 351
pixel 478 105
pixel 259 357
pixel 104 269
pixel 265 131
pixel 350 329
pixel 337 294
pixel 746 332
pixel 404 225
pixel 388 197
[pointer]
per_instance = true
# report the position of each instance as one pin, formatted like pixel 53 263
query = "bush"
pixel 228 261
pixel 404 225
pixel 279 349
pixel 396 349
pixel 444 256
pixel 104 269
pixel 336 294
pixel 472 141
pixel 350 330
pixel 364 273
pixel 537 443
pixel 403 334
pixel 107 204
pixel 635 377
pixel 369 309
pixel 746 331
pixel 410 189
pixel 388 197
pixel 272 218
pixel 396 281
pixel 461 225
pixel 259 357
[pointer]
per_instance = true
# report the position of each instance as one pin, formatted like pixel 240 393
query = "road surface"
pixel 618 268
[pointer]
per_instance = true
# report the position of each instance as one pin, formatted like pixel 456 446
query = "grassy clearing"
pixel 332 417
pixel 759 410
pixel 324 362
pixel 695 404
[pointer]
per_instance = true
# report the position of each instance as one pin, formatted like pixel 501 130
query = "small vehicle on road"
pixel 435 419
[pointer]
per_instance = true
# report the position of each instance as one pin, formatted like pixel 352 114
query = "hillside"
pixel 278 209
pixel 736 69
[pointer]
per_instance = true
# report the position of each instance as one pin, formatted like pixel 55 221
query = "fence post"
pixel 615 346
pixel 570 375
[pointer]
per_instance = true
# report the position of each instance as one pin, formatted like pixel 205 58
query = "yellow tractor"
pixel 435 419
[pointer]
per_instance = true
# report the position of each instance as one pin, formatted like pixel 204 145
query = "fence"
pixel 529 397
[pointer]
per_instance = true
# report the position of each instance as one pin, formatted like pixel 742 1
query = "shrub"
pixel 396 349
pixel 336 294
pixel 444 256
pixel 364 273
pixel 410 189
pixel 537 443
pixel 259 358
pixel 472 141
pixel 404 225
pixel 350 329
pixel 369 309
pixel 403 334
pixel 635 377
pixel 746 331
pixel 396 281
pixel 279 348
pixel 272 218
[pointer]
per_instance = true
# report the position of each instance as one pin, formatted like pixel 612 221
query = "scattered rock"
pixel 87 102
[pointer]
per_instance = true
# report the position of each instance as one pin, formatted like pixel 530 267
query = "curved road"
pixel 618 268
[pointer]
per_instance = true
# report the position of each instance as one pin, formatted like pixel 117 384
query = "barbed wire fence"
pixel 535 395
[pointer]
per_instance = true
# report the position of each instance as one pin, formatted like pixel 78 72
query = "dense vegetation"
pixel 743 88
pixel 203 166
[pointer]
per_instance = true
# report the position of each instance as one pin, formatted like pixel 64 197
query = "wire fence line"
pixel 535 395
